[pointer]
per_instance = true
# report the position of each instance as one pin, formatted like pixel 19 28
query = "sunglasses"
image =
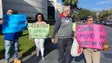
pixel 10 12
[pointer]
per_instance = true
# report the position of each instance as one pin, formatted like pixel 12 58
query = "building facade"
pixel 57 4
pixel 28 7
pixel 50 8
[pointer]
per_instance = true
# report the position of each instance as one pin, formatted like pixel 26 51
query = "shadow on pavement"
pixel 48 48
pixel 79 58
pixel 2 52
pixel 107 55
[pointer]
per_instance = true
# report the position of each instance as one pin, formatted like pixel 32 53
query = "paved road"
pixel 106 56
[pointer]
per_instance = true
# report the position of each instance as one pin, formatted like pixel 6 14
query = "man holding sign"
pixel 12 25
pixel 91 37
pixel 65 33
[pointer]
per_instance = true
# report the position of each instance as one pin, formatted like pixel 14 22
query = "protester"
pixel 1 21
pixel 11 41
pixel 91 38
pixel 39 42
pixel 65 33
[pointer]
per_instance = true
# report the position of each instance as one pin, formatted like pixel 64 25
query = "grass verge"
pixel 25 45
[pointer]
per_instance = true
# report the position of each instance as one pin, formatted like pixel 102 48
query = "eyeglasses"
pixel 10 12
pixel 39 17
pixel 89 20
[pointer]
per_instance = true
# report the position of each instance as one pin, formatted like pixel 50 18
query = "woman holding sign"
pixel 91 37
pixel 39 42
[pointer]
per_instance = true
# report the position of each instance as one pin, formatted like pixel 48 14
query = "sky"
pixel 95 5
pixel 59 1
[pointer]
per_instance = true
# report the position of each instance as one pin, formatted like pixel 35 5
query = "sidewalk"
pixel 106 57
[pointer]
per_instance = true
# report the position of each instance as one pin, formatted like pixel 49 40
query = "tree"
pixel 104 14
pixel 83 13
pixel 73 3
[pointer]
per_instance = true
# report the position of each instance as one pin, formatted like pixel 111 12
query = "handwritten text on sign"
pixel 41 31
pixel 91 36
pixel 14 23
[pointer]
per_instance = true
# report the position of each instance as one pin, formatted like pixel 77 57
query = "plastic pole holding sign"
pixel 1 10
pixel 14 23
pixel 91 36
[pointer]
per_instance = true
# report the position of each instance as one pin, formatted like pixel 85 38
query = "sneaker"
pixel 17 61
pixel 43 58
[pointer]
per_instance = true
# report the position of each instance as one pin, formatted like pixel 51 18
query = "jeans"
pixel 8 45
pixel 64 47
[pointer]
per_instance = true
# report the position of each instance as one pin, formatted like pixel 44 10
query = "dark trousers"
pixel 64 47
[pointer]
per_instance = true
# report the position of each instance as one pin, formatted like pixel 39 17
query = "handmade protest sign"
pixel 14 23
pixel 91 36
pixel 40 31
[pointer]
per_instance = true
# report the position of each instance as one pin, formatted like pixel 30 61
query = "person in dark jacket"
pixel 65 33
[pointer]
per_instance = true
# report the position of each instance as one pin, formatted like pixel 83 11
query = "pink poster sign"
pixel 91 36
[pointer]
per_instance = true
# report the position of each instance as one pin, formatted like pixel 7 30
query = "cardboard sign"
pixel 14 23
pixel 91 36
pixel 40 31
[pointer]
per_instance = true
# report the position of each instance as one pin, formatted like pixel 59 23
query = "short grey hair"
pixel 88 17
pixel 66 7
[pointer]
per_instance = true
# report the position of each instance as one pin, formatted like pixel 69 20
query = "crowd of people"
pixel 66 36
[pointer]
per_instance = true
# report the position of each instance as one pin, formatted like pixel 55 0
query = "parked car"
pixel 103 22
pixel 84 21
pixel 109 23
pixel 94 21
pixel 97 21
